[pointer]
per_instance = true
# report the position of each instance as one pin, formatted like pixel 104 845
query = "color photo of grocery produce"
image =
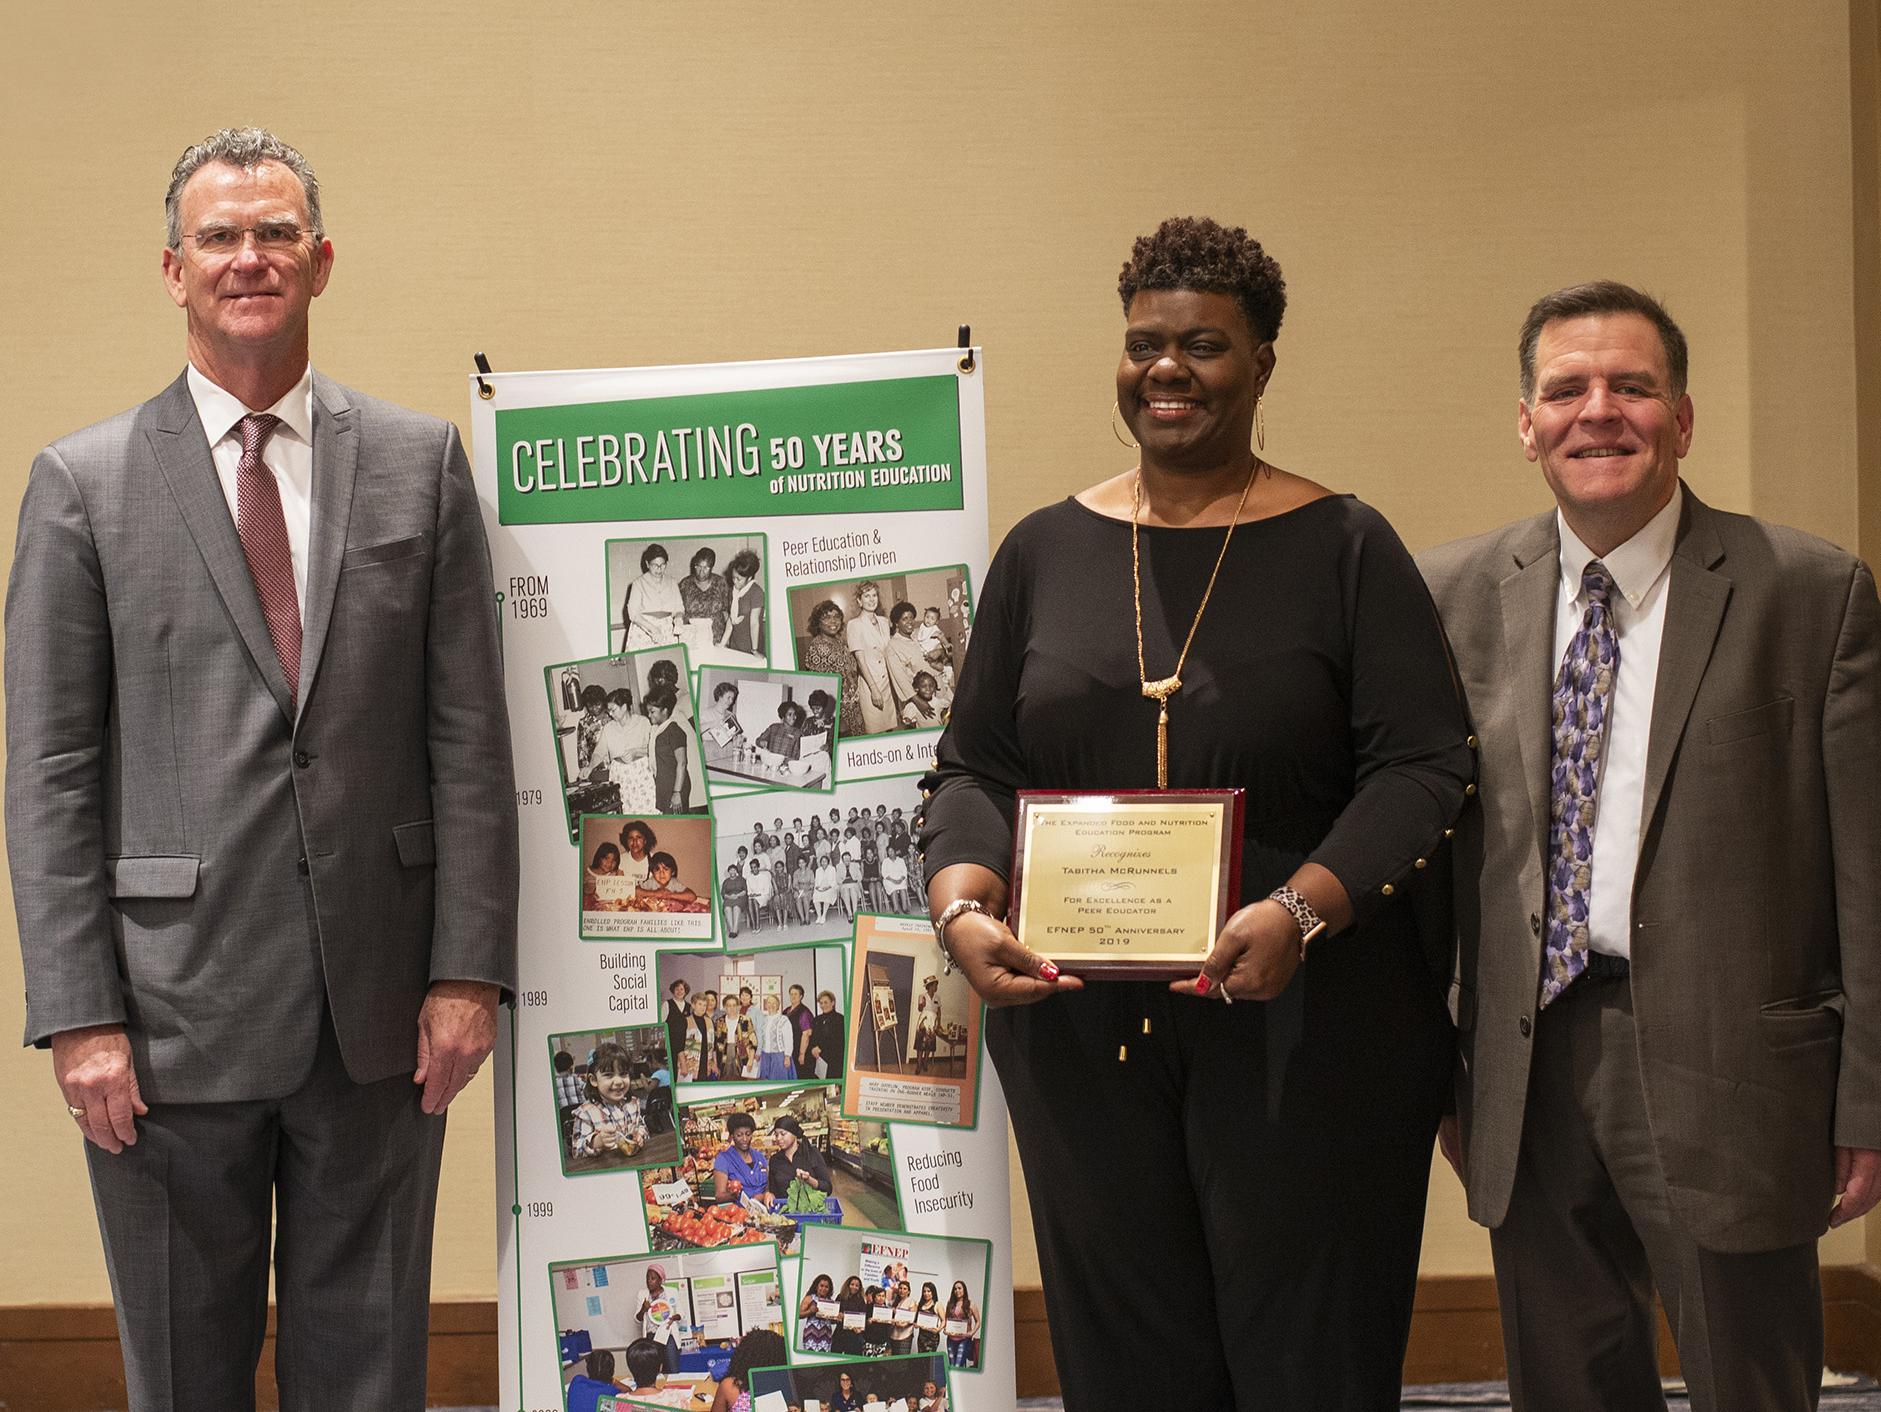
pixel 764 1166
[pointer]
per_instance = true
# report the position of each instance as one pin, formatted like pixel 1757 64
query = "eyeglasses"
pixel 271 238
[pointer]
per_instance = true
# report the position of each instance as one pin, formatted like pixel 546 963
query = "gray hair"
pixel 247 148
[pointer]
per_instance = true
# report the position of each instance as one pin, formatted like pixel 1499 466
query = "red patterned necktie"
pixel 263 528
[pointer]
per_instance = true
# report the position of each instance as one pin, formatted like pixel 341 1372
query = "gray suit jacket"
pixel 189 858
pixel 1756 940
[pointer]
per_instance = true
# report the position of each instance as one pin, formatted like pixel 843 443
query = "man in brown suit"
pixel 1668 894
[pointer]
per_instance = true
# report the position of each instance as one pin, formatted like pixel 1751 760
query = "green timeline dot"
pixel 515 1210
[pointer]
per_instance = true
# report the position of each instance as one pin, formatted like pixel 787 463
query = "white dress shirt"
pixel 1639 571
pixel 288 454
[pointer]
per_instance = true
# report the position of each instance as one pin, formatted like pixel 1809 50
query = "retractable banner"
pixel 738 1091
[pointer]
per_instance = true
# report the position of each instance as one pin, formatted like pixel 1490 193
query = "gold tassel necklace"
pixel 1162 689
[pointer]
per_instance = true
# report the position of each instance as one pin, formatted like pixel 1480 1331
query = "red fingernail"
pixel 1202 984
pixel 1048 970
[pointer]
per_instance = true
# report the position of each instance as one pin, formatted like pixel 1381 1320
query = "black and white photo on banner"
pixel 795 868
pixel 706 592
pixel 760 728
pixel 626 740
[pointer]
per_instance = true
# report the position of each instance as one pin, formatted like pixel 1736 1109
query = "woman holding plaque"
pixel 1206 620
pixel 852 1316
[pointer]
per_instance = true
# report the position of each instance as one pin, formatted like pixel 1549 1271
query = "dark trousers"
pixel 349 1173
pixel 1238 1203
pixel 1588 1237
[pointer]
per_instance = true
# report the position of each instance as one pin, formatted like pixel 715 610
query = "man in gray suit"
pixel 1668 894
pixel 260 820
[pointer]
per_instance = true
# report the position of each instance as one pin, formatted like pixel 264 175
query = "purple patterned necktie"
pixel 263 531
pixel 1583 697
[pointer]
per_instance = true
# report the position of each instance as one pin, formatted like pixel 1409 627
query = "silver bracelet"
pixel 1310 923
pixel 949 914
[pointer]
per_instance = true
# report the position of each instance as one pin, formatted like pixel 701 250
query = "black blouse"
pixel 1319 682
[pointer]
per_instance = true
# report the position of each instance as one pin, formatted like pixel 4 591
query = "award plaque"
pixel 1133 884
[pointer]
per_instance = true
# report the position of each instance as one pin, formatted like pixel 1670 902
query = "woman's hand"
pixel 1001 970
pixel 1254 957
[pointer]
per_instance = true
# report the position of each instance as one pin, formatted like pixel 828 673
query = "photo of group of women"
pixel 881 1295
pixel 794 870
pixel 646 879
pixel 897 642
pixel 768 1165
pixel 771 1016
pixel 768 729
pixel 664 1330
pixel 917 1384
pixel 915 1032
pixel 704 592
pixel 613 1099
pixel 625 736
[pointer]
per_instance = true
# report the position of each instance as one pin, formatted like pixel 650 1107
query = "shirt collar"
pixel 1635 565
pixel 219 410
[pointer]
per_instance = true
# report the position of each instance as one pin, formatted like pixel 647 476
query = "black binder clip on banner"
pixel 967 361
pixel 484 390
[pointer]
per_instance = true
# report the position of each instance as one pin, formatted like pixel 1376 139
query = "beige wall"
pixel 619 183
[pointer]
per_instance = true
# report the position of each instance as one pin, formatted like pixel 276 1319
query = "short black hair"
pixel 1603 296
pixel 740 1122
pixel 600 1365
pixel 1194 252
pixel 646 1360
pixel 744 564
pixel 650 553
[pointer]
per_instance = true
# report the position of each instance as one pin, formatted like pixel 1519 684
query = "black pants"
pixel 1237 1204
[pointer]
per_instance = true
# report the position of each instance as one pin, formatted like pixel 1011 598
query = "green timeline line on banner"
pixel 881 447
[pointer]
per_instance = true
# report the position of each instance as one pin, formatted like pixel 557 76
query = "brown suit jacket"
pixel 1756 941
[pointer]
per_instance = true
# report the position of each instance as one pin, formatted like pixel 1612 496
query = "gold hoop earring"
pixel 1115 412
pixel 1260 426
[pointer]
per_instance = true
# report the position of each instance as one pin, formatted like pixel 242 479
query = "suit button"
pixel 1524 1026
pixel 1534 924
pixel 301 864
pixel 302 759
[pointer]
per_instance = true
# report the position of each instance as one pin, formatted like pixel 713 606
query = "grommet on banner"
pixel 967 361
pixel 484 390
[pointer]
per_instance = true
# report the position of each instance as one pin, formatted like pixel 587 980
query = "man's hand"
pixel 1857 1183
pixel 456 1028
pixel 94 1072
pixel 1450 1144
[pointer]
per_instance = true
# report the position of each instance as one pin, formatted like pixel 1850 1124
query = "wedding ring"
pixel 75 1112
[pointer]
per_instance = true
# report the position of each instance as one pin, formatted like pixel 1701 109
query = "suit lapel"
pixel 1528 611
pixel 1694 610
pixel 335 468
pixel 181 448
